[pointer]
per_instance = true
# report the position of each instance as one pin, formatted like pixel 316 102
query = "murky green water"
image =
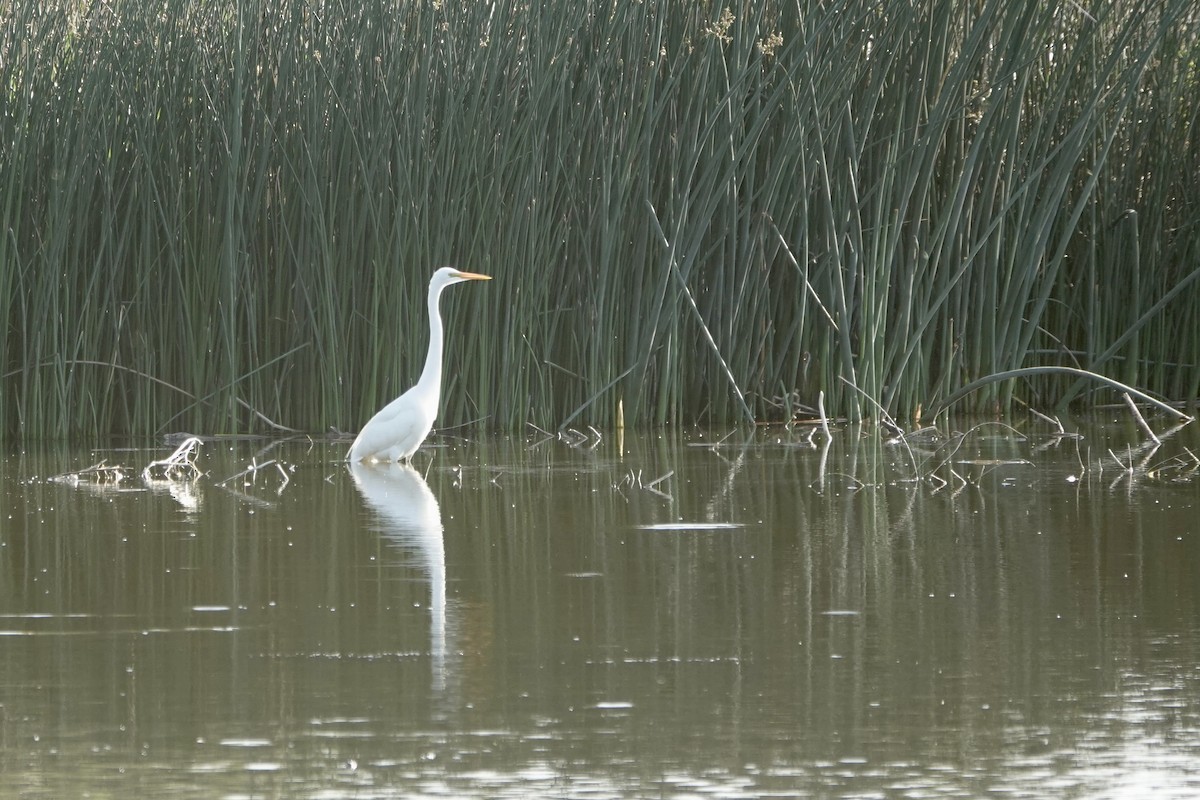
pixel 544 619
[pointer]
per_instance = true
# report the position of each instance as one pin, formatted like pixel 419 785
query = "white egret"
pixel 397 429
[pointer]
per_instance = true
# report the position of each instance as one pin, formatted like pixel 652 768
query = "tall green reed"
pixel 221 216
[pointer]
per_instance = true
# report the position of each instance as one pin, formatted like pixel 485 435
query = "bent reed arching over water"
pixel 217 216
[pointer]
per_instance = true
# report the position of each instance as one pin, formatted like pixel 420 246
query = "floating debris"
pixel 179 466
pixel 692 526
pixel 250 474
pixel 100 474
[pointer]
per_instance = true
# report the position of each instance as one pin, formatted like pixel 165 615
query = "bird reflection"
pixel 412 520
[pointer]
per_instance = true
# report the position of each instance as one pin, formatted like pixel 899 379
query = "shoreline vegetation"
pixel 221 217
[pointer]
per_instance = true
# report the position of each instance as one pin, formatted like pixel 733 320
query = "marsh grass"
pixel 221 217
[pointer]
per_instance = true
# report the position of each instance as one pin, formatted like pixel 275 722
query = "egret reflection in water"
pixel 410 518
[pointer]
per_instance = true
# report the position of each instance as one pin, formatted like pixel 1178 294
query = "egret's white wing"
pixel 395 432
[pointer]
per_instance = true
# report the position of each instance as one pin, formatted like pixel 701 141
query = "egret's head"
pixel 448 275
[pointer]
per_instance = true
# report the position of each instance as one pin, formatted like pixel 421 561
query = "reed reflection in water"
pixel 537 619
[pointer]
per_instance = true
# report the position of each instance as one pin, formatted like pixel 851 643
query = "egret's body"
pixel 397 429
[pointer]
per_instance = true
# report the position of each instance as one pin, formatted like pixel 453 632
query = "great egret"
pixel 397 429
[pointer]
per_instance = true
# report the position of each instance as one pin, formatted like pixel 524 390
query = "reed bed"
pixel 221 217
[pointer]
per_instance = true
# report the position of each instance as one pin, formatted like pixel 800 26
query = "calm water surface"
pixel 651 618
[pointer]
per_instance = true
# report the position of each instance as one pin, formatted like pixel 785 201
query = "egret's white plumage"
pixel 397 429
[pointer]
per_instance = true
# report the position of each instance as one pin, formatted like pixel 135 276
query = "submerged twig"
pixel 100 473
pixel 177 465
pixel 255 468
pixel 1137 415
pixel 1176 468
pixel 658 480
pixel 634 479
pixel 1127 469
pixel 824 418
pixel 824 462
pixel 1055 421
pixel 546 436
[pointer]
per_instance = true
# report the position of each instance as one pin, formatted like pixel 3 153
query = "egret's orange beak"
pixel 471 276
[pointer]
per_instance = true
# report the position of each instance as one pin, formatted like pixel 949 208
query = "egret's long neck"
pixel 431 376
